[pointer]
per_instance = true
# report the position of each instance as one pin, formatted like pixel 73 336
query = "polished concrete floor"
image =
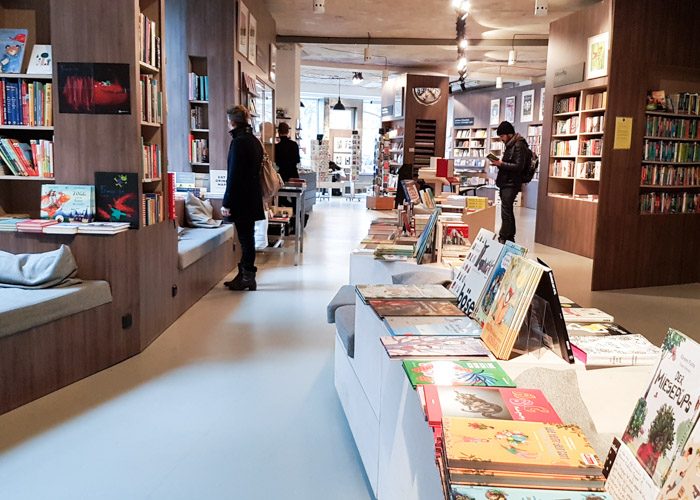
pixel 236 399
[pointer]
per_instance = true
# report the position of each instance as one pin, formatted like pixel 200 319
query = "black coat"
pixel 514 158
pixel 287 158
pixel 243 195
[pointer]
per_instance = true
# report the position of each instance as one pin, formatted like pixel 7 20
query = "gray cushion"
pixel 38 270
pixel 195 243
pixel 200 213
pixel 24 309
pixel 419 278
pixel 345 297
pixel 345 325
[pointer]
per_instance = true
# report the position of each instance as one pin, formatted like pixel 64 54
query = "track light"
pixel 319 6
pixel 357 78
pixel 499 82
pixel 511 57
pixel 462 7
pixel 463 44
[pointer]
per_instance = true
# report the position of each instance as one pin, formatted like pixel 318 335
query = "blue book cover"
pixel 13 42
pixel 12 97
pixel 493 493
pixel 68 203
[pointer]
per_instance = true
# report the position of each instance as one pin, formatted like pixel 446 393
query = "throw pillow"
pixel 200 213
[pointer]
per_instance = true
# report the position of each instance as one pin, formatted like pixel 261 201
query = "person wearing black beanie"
pixel 509 180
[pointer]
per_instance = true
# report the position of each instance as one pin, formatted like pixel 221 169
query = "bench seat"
pixel 25 309
pixel 195 243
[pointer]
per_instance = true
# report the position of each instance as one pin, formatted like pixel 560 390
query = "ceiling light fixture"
pixel 301 104
pixel 319 6
pixel 357 78
pixel 463 44
pixel 511 57
pixel 499 82
pixel 339 105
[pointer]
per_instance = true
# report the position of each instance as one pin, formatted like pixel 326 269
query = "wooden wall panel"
pixel 178 86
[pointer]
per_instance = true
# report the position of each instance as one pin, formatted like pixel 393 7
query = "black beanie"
pixel 505 128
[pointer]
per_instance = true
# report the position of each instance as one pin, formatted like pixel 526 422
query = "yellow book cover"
pixel 519 446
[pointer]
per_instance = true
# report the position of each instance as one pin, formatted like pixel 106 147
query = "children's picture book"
pixel 117 197
pixel 528 405
pixel 614 350
pixel 586 315
pixel 627 479
pixel 426 292
pixel 433 325
pixel 494 493
pixel 599 329
pixel 40 62
pixel 410 189
pixel 461 372
pixel 471 278
pixel 428 346
pixel 68 203
pixel 504 318
pixel 493 282
pixel 13 42
pixel 683 480
pixel 534 447
pixel 385 308
pixel 666 413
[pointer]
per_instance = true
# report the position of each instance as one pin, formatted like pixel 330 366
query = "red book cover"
pixel 529 405
pixel 35 225
pixel 171 196
pixel 432 406
pixel 25 103
pixel 442 167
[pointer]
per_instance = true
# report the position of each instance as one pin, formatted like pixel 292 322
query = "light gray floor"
pixel 236 399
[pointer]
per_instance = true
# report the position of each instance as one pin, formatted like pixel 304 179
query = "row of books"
pixel 152 209
pixel 470 133
pixel 565 148
pixel 596 101
pixel 566 105
pixel 26 103
pixel 594 124
pixel 151 100
pixel 198 87
pixel 676 128
pixel 470 153
pixel 686 102
pixel 588 170
pixel 469 144
pixel 48 226
pixel 151 160
pixel 670 175
pixel 199 150
pixel 150 45
pixel 672 151
pixel 534 141
pixel 198 118
pixel 568 126
pixel 686 202
pixel 591 147
pixel 33 159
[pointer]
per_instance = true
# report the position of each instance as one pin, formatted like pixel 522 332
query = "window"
pixel 343 120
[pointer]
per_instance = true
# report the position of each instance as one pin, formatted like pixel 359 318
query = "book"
pixel 106 228
pixel 492 157
pixel 410 189
pixel 664 416
pixel 627 479
pixel 40 62
pixel 117 197
pixel 385 308
pixel 496 493
pixel 683 480
pixel 459 372
pixel 596 329
pixel 34 225
pixel 62 228
pixel 9 225
pixel 614 350
pixel 425 292
pixel 505 317
pixel 586 315
pixel 522 447
pixel 528 405
pixel 68 203
pixel 14 41
pixel 430 346
pixel 433 325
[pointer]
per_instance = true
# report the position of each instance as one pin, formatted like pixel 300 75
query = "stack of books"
pixel 9 225
pixel 34 225
pixel 104 228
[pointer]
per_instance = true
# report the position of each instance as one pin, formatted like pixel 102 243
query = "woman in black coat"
pixel 243 200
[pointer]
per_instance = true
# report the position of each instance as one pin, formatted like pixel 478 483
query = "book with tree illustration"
pixel 441 372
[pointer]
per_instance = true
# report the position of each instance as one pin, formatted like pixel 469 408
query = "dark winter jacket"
pixel 287 158
pixel 243 193
pixel 514 159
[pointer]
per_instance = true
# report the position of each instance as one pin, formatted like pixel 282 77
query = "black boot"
pixel 245 280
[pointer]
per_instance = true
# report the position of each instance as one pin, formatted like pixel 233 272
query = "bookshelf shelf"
pixel 561 177
pixel 148 68
pixel 148 181
pixel 659 186
pixel 26 127
pixel 682 163
pixel 199 102
pixel 26 178
pixel 677 139
pixel 199 164
pixel 673 115
pixel 563 136
pixel 200 130
pixel 589 156
pixel 594 110
pixel 570 113
pixel 26 76
pixel 151 124
pixel 587 180
pixel 565 157
pixel 592 134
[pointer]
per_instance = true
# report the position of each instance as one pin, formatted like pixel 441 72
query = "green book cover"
pixel 462 372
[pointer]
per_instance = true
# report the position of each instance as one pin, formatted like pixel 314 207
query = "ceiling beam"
pixel 485 42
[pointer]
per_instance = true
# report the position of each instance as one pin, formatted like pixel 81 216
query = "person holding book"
pixel 509 180
pixel 243 199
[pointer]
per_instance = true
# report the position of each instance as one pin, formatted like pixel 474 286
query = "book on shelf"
pixel 34 225
pixel 565 148
pixel 407 307
pixel 563 168
pixel 670 203
pixel 566 105
pixel 499 493
pixel 594 124
pixel 586 315
pixel 672 128
pixel 591 147
pixel 67 202
pixel 151 160
pixel 671 151
pixel 198 87
pixel 432 325
pixel 152 208
pixel 40 62
pixel 198 118
pixel 614 350
pixel 117 197
pixel 14 41
pixel 458 372
pixel 199 150
pixel 684 103
pixel 429 346
pixel 423 292
pixel 670 175
pixel 9 225
pixel 596 329
pixel 34 159
pixel 104 228
pixel 151 100
pixel 597 100
pixel 62 228
pixel 26 103
pixel 568 126
pixel 588 170
pixel 150 44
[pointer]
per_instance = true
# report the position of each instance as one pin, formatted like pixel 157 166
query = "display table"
pixel 298 194
pixel 388 424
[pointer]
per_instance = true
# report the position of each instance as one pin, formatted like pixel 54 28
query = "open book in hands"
pixel 492 157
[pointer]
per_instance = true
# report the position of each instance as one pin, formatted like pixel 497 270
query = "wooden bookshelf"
pixel 198 96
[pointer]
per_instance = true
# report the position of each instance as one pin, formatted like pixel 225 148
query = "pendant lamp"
pixel 339 105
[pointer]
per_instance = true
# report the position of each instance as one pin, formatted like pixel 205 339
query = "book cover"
pixel 586 315
pixel 13 40
pixel 68 203
pixel 426 292
pixel 523 447
pixel 425 346
pixel 528 405
pixel 117 197
pixel 434 325
pixel 40 62
pixel 627 479
pixel 103 227
pixel 471 278
pixel 596 329
pixel 683 482
pixel 614 350
pixel 494 493
pixel 664 416
pixel 385 308
pixel 460 372
pixel 62 228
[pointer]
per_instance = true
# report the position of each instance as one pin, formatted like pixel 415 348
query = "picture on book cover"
pixel 460 492
pixel 13 42
pixel 455 234
pixel 97 88
pixel 426 346
pixel 68 203
pixel 414 308
pixel 428 292
pixel 433 325
pixel 665 415
pixel 117 197
pixel 40 62
pixel 459 372
pixel 683 482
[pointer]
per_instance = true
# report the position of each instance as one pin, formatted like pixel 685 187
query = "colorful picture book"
pixel 117 197
pixel 68 203
pixel 424 346
pixel 443 372
pixel 433 325
pixel 40 62
pixel 404 307
pixel 586 315
pixel 13 42
pixel 683 480
pixel 614 350
pixel 425 292
pixel 665 415
pixel 494 493
pixel 528 405
pixel 506 314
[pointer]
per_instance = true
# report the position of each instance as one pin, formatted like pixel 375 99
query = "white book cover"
pixel 628 480
pixel 683 482
pixel 433 325
pixel 615 350
pixel 586 315
pixel 40 62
